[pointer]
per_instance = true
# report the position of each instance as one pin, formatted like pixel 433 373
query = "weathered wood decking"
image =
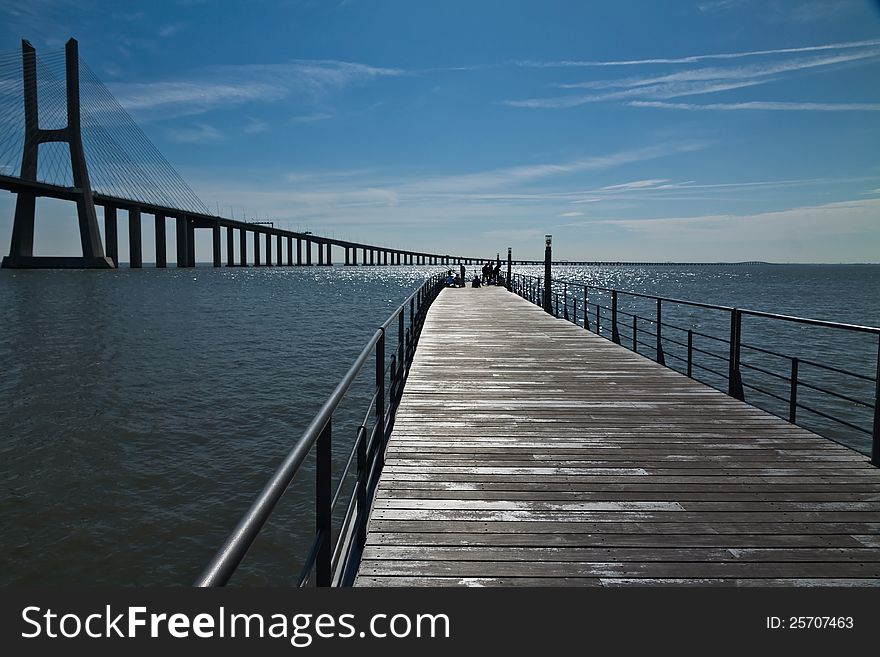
pixel 530 452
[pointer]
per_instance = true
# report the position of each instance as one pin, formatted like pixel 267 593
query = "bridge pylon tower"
pixel 21 251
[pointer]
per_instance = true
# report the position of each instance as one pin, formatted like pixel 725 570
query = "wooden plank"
pixel 527 451
pixel 534 555
pixel 573 539
pixel 385 581
pixel 703 526
pixel 665 496
pixel 608 569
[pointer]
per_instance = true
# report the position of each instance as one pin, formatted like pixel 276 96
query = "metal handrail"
pixel 229 556
pixel 525 286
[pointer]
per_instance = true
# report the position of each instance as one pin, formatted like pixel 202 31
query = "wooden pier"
pixel 527 451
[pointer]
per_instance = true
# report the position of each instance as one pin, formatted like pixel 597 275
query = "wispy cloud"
pixel 170 30
pixel 816 11
pixel 200 132
pixel 704 80
pixel 307 80
pixel 636 184
pixel 764 106
pixel 572 214
pixel 519 175
pixel 671 90
pixel 693 59
pixel 716 73
pixel 255 126
pixel 839 218
pixel 310 118
pixel 721 5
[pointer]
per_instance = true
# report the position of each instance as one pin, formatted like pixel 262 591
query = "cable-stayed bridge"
pixel 64 136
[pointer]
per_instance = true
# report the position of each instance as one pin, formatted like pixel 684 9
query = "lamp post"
pixel 507 280
pixel 548 239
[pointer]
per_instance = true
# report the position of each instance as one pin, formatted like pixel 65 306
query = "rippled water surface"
pixel 141 410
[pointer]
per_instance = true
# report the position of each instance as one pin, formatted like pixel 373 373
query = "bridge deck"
pixel 528 451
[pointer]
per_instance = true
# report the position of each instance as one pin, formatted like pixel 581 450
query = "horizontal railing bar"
pixel 767 372
pixel 711 337
pixel 669 354
pixel 813 322
pixel 831 368
pixel 834 419
pixel 725 359
pixel 709 369
pixel 804 361
pixel 763 350
pixel 671 341
pixel 839 395
pixel 343 530
pixel 651 345
pixel 309 563
pixel 361 430
pixel 696 304
pixel 765 392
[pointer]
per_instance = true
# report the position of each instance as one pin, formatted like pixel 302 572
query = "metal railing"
pixel 718 359
pixel 335 563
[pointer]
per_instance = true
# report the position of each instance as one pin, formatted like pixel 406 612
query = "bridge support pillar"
pixel 180 223
pixel 256 248
pixel 215 241
pixel 354 256
pixel 230 247
pixel 190 243
pixel 299 252
pixel 135 248
pixel 110 234
pixel 268 248
pixel 289 251
pixel 242 247
pixel 308 253
pixel 320 254
pixel 161 248
pixel 347 257
pixel 279 250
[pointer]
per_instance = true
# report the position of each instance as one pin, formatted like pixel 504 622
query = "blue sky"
pixel 680 130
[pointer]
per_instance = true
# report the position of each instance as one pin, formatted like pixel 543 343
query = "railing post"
pixel 380 387
pixel 547 282
pixel 363 472
pixel 586 310
pixel 875 445
pixel 635 334
pixel 690 361
pixel 598 319
pixel 509 263
pixel 660 357
pixel 565 303
pixel 556 300
pixel 615 335
pixel 392 383
pixel 323 493
pixel 792 396
pixel 574 311
pixel 734 387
